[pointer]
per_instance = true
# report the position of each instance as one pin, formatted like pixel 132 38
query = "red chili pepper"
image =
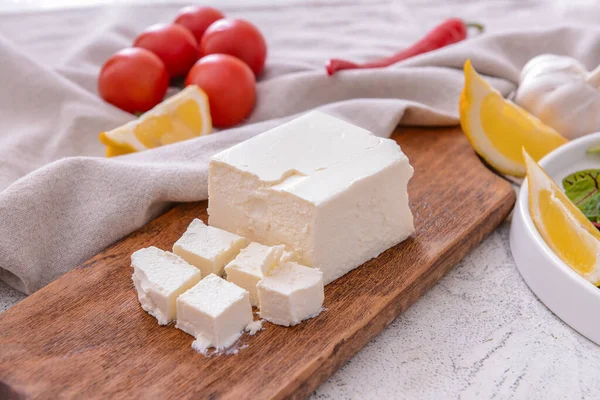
pixel 448 32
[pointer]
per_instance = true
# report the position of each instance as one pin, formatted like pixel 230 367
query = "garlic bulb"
pixel 562 93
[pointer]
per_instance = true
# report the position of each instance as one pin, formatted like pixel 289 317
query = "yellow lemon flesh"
pixel 498 129
pixel 562 225
pixel 183 116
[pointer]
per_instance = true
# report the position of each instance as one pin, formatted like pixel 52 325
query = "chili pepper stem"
pixel 476 25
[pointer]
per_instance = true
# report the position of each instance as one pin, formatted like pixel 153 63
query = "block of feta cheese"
pixel 330 191
pixel 291 294
pixel 207 248
pixel 215 312
pixel 159 278
pixel 249 267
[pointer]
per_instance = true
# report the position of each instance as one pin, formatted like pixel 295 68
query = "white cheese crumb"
pixel 254 326
pixel 201 344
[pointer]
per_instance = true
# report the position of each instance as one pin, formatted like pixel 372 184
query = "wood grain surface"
pixel 85 335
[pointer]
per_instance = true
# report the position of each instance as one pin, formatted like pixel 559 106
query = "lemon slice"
pixel 562 225
pixel 498 129
pixel 183 116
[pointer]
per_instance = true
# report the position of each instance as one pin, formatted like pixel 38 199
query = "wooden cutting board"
pixel 85 334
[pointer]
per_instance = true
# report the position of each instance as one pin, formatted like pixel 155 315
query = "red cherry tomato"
pixel 238 38
pixel 173 44
pixel 135 80
pixel 197 19
pixel 230 86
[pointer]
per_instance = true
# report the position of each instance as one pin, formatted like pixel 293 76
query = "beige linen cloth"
pixel 61 202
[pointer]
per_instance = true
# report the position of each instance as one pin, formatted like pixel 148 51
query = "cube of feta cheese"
pixel 249 267
pixel 208 248
pixel 291 294
pixel 215 312
pixel 159 278
pixel 330 191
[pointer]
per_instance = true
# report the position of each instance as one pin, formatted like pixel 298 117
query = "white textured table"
pixel 479 333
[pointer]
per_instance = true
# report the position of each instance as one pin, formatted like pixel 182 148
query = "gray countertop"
pixel 479 333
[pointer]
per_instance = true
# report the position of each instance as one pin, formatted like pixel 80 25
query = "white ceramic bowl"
pixel 562 290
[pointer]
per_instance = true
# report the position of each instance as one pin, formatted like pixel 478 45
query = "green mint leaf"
pixel 591 208
pixel 594 150
pixel 583 189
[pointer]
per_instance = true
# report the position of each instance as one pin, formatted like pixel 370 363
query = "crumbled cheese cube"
pixel 254 327
pixel 288 256
pixel 291 293
pixel 159 278
pixel 249 267
pixel 330 191
pixel 208 248
pixel 215 312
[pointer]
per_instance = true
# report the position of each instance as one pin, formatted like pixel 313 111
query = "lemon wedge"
pixel 562 225
pixel 498 129
pixel 183 116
